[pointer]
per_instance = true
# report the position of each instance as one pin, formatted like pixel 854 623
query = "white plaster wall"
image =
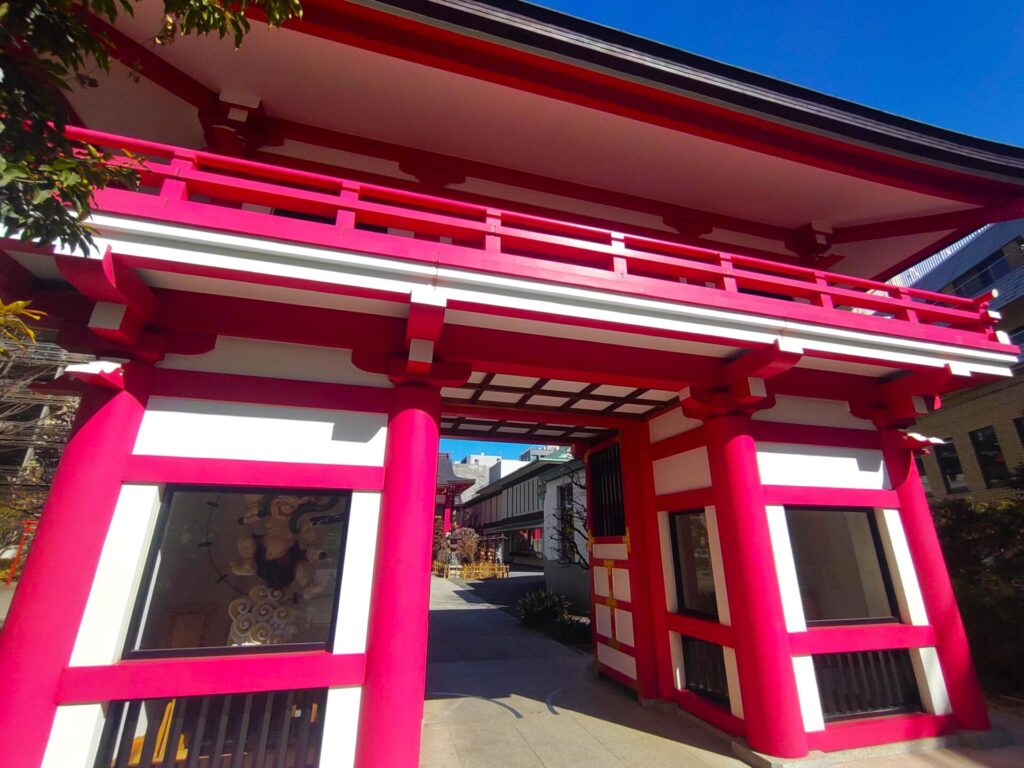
pixel 682 472
pixel 717 567
pixel 930 681
pixel 353 610
pixel 551 516
pixel 785 569
pixel 807 692
pixel 610 552
pixel 222 430
pixel 277 360
pixel 617 660
pixel 74 736
pixel 341 723
pixel 901 567
pixel 732 681
pixel 670 424
pixel 603 620
pixel 600 576
pixel 667 564
pixel 813 411
pixel 101 635
pixel 821 466
pixel 675 644
pixel 624 626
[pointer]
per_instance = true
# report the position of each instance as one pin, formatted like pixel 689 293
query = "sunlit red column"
pixel 391 711
pixel 41 627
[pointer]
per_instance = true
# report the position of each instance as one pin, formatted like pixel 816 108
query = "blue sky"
pixel 459 449
pixel 952 64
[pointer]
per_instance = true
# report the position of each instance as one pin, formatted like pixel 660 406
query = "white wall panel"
pixel 682 472
pixel 277 360
pixel 357 574
pixel 221 430
pixel 620 584
pixel 717 567
pixel 813 411
pixel 732 681
pixel 821 466
pixel 785 569
pixel 901 567
pixel 341 724
pixel 74 736
pixel 600 576
pixel 669 424
pixel 807 692
pixel 624 626
pixel 617 660
pixel 101 635
pixel 930 681
pixel 603 620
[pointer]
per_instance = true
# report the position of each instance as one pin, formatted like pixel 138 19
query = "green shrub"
pixel 984 549
pixel 542 608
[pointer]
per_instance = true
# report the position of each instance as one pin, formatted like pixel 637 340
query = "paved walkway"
pixel 502 696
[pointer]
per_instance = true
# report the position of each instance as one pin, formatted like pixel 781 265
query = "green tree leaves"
pixel 47 181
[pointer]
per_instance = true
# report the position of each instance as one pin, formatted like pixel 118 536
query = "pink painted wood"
pixel 541 248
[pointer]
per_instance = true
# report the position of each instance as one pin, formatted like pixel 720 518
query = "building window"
pixel 691 548
pixel 704 668
pixel 983 274
pixel 866 683
pixel 950 467
pixel 233 570
pixel 840 566
pixel 926 483
pixel 605 482
pixel 990 457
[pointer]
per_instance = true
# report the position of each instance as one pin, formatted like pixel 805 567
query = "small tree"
pixel 48 47
pixel 571 522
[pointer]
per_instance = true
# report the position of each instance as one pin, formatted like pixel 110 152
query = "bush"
pixel 984 549
pixel 542 609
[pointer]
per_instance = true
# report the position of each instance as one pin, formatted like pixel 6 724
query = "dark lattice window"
pixel 260 730
pixel 704 668
pixel 607 508
pixel 866 683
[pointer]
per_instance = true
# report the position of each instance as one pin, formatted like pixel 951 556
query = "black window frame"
pixel 986 467
pixel 884 567
pixel 948 444
pixel 134 632
pixel 680 608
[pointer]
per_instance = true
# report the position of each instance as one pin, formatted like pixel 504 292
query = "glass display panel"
pixel 840 566
pixel 695 582
pixel 241 570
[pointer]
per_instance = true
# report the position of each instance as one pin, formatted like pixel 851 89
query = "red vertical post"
pixel 391 712
pixel 41 628
pixel 771 705
pixel 637 480
pixel 936 588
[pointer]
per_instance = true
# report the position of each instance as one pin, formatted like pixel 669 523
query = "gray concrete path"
pixel 502 696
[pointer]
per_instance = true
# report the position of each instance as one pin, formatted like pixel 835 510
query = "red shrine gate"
pixel 215 574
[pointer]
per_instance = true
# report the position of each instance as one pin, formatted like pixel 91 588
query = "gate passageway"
pixel 500 695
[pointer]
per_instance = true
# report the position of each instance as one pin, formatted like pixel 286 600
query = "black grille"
pixel 281 729
pixel 608 515
pixel 704 667
pixel 866 683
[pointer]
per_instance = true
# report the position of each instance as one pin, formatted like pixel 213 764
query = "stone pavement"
pixel 502 696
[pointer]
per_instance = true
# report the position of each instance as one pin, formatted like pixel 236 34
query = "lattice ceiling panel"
pixel 541 397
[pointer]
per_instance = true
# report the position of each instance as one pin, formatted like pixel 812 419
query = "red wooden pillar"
pixel 42 625
pixel 391 711
pixel 771 706
pixel 648 598
pixel 936 588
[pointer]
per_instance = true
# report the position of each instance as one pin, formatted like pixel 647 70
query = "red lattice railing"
pixel 206 189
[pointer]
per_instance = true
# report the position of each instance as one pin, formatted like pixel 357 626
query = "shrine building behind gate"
pixel 393 221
